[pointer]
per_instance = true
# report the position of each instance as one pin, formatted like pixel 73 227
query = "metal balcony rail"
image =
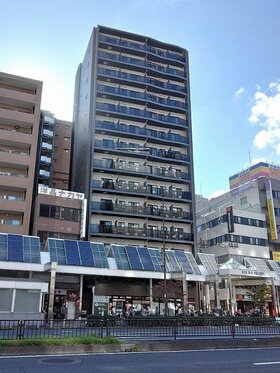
pixel 170 154
pixel 121 127
pixel 141 327
pixel 140 210
pixel 140 189
pixel 141 96
pixel 147 170
pixel 141 232
pixel 143 63
pixel 141 79
pixel 140 113
pixel 142 47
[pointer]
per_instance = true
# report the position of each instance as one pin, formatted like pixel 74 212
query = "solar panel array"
pixel 257 263
pixel 274 265
pixel 18 248
pixel 78 253
pixel 172 262
pixel 136 258
pixel 179 260
pixel 209 262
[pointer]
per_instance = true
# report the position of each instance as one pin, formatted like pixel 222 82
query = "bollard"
pixel 20 329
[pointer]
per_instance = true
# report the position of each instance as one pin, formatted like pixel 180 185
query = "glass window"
pixel 6 299
pixel 27 301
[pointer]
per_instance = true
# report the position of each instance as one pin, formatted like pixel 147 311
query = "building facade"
pixel 132 141
pixel 20 100
pixel 54 152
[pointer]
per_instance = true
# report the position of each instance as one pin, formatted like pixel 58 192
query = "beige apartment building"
pixel 20 100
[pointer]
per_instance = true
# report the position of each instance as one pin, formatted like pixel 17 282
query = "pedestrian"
pixel 63 311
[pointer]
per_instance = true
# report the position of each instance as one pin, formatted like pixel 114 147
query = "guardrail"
pixel 141 327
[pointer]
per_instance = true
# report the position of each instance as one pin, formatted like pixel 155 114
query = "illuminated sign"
pixel 230 219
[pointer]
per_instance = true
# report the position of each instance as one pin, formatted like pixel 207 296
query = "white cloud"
pixel 257 160
pixel 217 193
pixel 265 114
pixel 239 92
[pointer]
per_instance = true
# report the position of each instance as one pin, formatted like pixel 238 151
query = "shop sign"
pixel 42 189
pixel 252 273
pixel 230 223
pixel 276 255
pixel 101 298
pixel 72 296
pixel 100 309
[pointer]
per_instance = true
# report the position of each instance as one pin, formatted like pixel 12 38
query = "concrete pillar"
pixel 274 300
pixel 227 295
pixel 93 294
pixel 185 292
pixel 52 289
pixel 151 293
pixel 207 297
pixel 231 296
pixel 217 297
pixel 81 294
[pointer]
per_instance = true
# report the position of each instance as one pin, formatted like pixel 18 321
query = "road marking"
pixel 268 363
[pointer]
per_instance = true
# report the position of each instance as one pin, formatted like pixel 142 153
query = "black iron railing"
pixel 141 327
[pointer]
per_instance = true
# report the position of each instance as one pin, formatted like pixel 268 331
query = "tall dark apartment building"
pixel 20 100
pixel 132 147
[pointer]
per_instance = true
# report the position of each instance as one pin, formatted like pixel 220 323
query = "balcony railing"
pixel 140 189
pixel 146 233
pixel 121 127
pixel 142 63
pixel 141 79
pixel 47 133
pixel 146 114
pixel 45 159
pixel 141 210
pixel 169 154
pixel 141 96
pixel 46 146
pixel 137 169
pixel 142 47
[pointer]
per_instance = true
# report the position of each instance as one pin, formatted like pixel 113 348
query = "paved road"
pixel 216 361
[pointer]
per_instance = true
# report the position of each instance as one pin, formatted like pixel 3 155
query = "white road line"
pixel 268 363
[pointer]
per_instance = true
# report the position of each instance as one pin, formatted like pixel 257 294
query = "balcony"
pixel 47 133
pixel 45 160
pixel 140 233
pixel 133 169
pixel 143 65
pixel 146 191
pixel 128 210
pixel 142 48
pixel 152 153
pixel 47 146
pixel 158 136
pixel 132 113
pixel 146 98
pixel 44 174
pixel 143 81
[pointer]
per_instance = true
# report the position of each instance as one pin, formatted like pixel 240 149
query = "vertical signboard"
pixel 230 222
pixel 270 211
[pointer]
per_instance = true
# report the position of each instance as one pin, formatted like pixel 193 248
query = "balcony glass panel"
pixel 141 79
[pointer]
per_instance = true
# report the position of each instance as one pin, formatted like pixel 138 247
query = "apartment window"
pixel 133 185
pixel 243 200
pixel 61 213
pixel 276 194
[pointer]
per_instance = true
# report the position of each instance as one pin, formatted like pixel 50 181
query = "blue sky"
pixel 234 51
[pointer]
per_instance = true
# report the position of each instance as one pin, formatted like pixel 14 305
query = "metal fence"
pixel 141 327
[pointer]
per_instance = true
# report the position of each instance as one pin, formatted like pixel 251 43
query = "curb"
pixel 141 347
